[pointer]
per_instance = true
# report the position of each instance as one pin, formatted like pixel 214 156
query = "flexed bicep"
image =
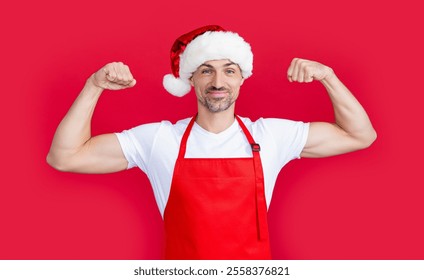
pixel 352 129
pixel 328 139
pixel 73 147
pixel 101 154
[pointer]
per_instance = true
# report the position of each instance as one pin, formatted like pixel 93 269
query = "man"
pixel 212 174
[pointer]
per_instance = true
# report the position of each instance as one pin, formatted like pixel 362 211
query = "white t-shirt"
pixel 154 148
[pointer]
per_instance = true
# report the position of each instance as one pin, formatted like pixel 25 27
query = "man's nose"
pixel 218 80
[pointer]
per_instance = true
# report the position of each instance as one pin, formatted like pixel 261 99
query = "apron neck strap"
pixel 255 146
pixel 183 144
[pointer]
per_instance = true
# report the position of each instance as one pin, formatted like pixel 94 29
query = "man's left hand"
pixel 306 71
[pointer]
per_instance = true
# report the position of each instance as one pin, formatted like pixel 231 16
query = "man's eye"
pixel 206 71
pixel 230 71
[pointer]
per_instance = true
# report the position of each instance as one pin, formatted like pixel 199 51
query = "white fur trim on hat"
pixel 176 86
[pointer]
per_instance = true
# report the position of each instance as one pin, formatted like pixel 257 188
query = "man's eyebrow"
pixel 206 65
pixel 229 64
pixel 210 66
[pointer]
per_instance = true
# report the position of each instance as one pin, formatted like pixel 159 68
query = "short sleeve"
pixel 137 143
pixel 289 137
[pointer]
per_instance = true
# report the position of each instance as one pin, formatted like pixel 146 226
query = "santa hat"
pixel 210 42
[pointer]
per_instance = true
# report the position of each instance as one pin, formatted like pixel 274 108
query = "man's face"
pixel 217 84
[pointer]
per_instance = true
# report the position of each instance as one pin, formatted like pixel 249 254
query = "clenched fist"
pixel 113 76
pixel 302 70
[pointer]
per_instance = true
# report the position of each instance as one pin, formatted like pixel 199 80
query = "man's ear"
pixel 242 81
pixel 191 81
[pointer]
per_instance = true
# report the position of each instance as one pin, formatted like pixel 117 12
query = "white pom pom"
pixel 176 86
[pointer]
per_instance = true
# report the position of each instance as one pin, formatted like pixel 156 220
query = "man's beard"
pixel 216 105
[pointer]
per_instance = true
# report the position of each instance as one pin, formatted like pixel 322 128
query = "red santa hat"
pixel 206 43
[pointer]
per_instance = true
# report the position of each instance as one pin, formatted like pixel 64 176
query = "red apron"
pixel 216 208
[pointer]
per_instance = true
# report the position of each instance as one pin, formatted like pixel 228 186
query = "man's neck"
pixel 215 122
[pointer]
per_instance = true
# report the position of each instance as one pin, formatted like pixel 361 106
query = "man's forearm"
pixel 75 128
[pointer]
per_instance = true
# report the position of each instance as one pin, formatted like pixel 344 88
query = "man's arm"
pixel 352 129
pixel 73 148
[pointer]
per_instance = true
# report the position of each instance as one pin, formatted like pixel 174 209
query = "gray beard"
pixel 216 105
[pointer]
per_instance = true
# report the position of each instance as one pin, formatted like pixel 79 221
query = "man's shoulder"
pixel 164 124
pixel 177 127
pixel 182 122
pixel 260 122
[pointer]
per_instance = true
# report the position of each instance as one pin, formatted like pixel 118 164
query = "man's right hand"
pixel 113 76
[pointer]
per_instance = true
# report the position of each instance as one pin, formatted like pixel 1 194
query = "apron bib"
pixel 216 207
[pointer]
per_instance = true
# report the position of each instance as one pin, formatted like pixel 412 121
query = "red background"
pixel 364 205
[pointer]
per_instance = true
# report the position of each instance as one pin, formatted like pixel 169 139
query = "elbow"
pixel 374 136
pixel 369 139
pixel 56 162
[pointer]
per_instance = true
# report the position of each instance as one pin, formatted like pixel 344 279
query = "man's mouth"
pixel 217 93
